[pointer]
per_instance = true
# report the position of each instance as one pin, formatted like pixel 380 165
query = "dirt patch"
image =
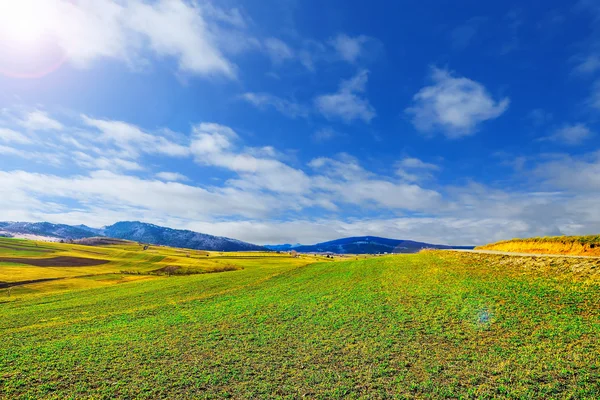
pixel 177 270
pixel 56 261
pixel 169 270
pixel 32 249
pixel 5 285
pixel 101 241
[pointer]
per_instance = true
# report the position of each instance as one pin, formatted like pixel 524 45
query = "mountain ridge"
pixel 158 235
pixel 129 230
pixel 370 245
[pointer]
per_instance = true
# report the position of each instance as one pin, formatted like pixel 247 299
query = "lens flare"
pixel 21 21
pixel 28 44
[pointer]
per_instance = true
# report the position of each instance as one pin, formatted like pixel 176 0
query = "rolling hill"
pixel 371 245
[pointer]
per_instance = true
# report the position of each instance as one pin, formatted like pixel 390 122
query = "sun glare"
pixel 22 21
pixel 28 41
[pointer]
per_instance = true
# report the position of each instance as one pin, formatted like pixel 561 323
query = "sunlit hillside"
pixel 29 267
pixel 572 245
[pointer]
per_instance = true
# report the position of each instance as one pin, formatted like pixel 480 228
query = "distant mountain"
pixel 372 245
pixel 153 234
pixel 281 247
pixel 158 235
pixel 95 231
pixel 45 229
pixel 135 231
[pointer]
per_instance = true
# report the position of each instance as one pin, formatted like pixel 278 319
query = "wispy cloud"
pixel 132 140
pixel 325 134
pixel 8 135
pixel 55 159
pixel 351 49
pixel 216 145
pixel 172 177
pixel 348 103
pixel 40 121
pixel 289 108
pixel 593 101
pixel 539 117
pixel 587 64
pixel 571 134
pixel 105 163
pixel 463 35
pixel 413 169
pixel 278 50
pixel 309 53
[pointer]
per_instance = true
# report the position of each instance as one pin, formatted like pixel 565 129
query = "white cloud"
pixel 40 121
pixel 472 214
pixel 412 169
pixel 172 177
pixel 89 30
pixel 176 28
pixel 115 192
pixel 349 48
pixel 445 230
pixel 310 53
pixel 412 162
pixel 346 103
pixel 574 174
pixel 54 159
pixel 588 64
pixel 340 180
pixel 455 105
pixel 215 145
pixel 8 135
pixel 343 180
pixel 289 108
pixel 278 50
pixel 266 191
pixel 325 134
pixel 232 17
pixel 571 135
pixel 594 99
pixel 132 140
pixel 104 163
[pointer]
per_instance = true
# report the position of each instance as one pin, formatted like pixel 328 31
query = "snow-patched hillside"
pixel 153 234
pixel 135 231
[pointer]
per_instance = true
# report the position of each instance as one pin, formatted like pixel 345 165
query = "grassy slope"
pixel 426 325
pixel 128 257
pixel 573 245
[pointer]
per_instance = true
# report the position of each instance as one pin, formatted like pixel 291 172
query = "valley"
pixel 434 324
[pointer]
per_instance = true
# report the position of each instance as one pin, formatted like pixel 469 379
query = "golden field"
pixel 570 245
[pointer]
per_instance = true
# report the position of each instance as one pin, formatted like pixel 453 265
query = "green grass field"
pixel 431 325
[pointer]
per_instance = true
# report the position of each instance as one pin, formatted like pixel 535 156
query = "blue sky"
pixel 303 121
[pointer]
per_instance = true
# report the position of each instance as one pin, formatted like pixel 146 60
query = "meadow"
pixel 117 263
pixel 571 245
pixel 431 325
